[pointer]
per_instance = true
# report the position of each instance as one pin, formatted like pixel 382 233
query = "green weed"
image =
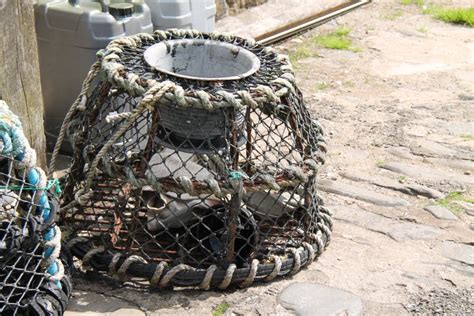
pixel 419 3
pixel 342 31
pixel 322 85
pixel 303 51
pixel 467 136
pixel 336 40
pixel 349 83
pixel 220 309
pixel 422 29
pixel 454 196
pixel 393 15
pixel 463 16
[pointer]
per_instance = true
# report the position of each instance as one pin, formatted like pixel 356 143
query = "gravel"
pixel 442 302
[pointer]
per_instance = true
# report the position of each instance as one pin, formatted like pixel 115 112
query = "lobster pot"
pixel 32 280
pixel 195 163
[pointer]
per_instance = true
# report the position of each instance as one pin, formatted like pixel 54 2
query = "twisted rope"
pixel 78 105
pixel 263 95
pixel 162 277
pixel 15 144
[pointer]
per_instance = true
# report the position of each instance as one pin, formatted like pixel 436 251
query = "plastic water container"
pixel 183 14
pixel 69 33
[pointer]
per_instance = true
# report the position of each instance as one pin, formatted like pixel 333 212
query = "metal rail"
pixel 309 22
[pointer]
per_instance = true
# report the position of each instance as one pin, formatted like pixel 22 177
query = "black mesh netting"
pixel 32 280
pixel 193 181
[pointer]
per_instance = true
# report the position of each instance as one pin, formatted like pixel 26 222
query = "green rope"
pixel 55 182
pixel 237 175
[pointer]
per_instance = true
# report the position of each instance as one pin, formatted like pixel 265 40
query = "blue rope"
pixel 14 144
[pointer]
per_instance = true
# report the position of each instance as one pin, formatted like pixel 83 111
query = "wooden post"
pixel 19 70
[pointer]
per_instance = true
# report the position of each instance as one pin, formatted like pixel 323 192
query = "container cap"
pixel 121 10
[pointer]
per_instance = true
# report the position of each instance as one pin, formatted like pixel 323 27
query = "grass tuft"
pixel 380 162
pixel 419 3
pixel 467 136
pixel 393 15
pixel 303 51
pixel 462 16
pixel 336 40
pixel 220 309
pixel 422 29
pixel 342 31
pixel 322 85
pixel 454 196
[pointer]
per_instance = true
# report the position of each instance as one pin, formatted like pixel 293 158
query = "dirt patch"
pixel 442 302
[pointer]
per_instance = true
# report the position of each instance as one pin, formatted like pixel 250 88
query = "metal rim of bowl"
pixel 153 49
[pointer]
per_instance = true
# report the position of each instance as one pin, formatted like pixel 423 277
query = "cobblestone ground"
pixel 398 110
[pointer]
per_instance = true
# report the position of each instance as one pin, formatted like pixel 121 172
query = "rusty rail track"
pixel 308 22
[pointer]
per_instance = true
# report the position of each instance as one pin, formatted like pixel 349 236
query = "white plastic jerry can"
pixel 69 34
pixel 183 14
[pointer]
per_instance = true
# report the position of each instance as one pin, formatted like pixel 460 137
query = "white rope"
pixel 172 272
pixel 88 256
pixel 311 253
pixel 326 231
pixel 160 268
pixel 206 281
pixel 276 268
pixel 296 260
pixel 113 264
pixel 28 161
pixel 58 276
pixel 229 273
pixel 319 242
pixel 114 116
pixel 252 273
pixel 122 271
pixel 55 243
pixel 83 198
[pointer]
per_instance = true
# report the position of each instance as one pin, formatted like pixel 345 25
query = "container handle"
pixel 104 4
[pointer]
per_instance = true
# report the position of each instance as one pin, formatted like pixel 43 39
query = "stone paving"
pixel 399 115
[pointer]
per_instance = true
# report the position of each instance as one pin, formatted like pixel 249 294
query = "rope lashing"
pixel 309 252
pixel 276 269
pixel 160 268
pixel 206 281
pixel 228 276
pixel 253 272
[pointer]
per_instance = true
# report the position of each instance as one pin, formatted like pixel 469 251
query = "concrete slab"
pixel 320 300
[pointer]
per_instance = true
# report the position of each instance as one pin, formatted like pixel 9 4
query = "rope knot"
pixel 82 197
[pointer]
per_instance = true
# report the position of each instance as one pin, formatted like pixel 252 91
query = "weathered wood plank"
pixel 19 70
